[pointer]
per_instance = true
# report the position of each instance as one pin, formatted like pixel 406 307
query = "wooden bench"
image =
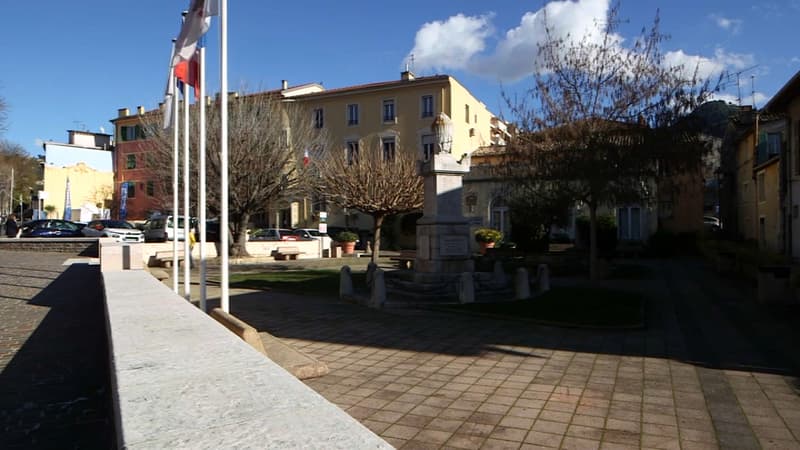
pixel 284 253
pixel 406 259
pixel 165 258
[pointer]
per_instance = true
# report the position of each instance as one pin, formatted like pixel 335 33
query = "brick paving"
pixel 698 377
pixel 54 390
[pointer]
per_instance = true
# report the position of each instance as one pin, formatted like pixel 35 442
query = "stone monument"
pixel 443 237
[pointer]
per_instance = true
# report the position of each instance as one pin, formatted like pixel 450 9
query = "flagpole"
pixel 175 205
pixel 201 158
pixel 186 210
pixel 223 223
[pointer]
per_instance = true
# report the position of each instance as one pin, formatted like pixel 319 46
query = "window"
pixel 351 152
pixel 388 110
pixel 319 119
pixel 629 223
pixel 130 162
pixel 151 188
pixel 762 195
pixel 466 113
pixel 131 133
pixel 131 189
pixel 773 144
pixel 427 106
pixel 500 218
pixel 797 150
pixel 352 114
pixel 388 145
pixel 427 147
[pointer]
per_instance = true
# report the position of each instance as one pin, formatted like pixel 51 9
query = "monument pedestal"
pixel 443 250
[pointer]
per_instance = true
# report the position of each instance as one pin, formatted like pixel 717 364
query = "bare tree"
pixel 3 115
pixel 266 137
pixel 602 120
pixel 376 184
pixel 26 173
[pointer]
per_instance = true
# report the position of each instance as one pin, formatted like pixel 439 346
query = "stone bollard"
pixel 345 284
pixel 543 276
pixel 377 296
pixel 499 274
pixel 522 288
pixel 368 250
pixel 466 288
pixel 370 274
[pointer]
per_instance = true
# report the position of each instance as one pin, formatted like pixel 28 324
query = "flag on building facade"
pixel 123 199
pixel 67 203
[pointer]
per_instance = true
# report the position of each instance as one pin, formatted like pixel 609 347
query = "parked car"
pixel 273 234
pixel 159 228
pixel 51 228
pixel 308 233
pixel 118 229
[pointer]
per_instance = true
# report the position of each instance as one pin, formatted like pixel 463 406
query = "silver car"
pixel 118 229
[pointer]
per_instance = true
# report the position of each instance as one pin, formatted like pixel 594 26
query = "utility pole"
pixel 11 195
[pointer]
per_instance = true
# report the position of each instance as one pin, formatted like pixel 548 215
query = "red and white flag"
pixel 306 158
pixel 189 72
pixel 195 25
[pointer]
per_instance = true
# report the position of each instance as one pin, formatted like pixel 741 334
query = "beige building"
pixel 86 160
pixel 388 117
pixel 786 104
pixel 758 197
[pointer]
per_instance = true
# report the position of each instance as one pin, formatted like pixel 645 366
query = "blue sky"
pixel 71 65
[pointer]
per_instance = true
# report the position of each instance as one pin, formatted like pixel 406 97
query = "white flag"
pixel 195 25
pixel 169 92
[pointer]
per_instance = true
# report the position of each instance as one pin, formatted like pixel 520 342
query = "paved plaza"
pixel 713 369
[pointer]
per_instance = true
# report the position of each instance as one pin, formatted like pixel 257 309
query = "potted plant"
pixel 347 239
pixel 487 238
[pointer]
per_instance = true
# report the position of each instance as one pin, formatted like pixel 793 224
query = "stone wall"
pixel 76 246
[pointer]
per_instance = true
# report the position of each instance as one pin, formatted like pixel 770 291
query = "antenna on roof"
pixel 738 86
pixel 411 58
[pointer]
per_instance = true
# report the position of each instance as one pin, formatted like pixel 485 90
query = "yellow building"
pixel 758 197
pixel 87 162
pixel 388 117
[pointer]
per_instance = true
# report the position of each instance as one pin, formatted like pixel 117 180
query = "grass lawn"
pixel 570 306
pixel 323 282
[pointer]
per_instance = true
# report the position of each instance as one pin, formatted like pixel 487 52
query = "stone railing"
pixel 182 380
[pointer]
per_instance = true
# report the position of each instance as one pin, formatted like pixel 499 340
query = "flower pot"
pixel 485 245
pixel 348 248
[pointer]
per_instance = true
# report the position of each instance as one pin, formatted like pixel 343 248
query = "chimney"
pixel 140 110
pixel 122 112
pixel 407 75
pixel 284 84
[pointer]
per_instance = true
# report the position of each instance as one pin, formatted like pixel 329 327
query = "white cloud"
pixel 452 43
pixel 460 42
pixel 732 25
pixel 760 98
pixel 708 67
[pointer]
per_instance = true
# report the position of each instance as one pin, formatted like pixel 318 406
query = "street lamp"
pixel 442 129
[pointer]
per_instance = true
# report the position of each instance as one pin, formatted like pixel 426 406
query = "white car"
pixel 118 229
pixel 308 233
